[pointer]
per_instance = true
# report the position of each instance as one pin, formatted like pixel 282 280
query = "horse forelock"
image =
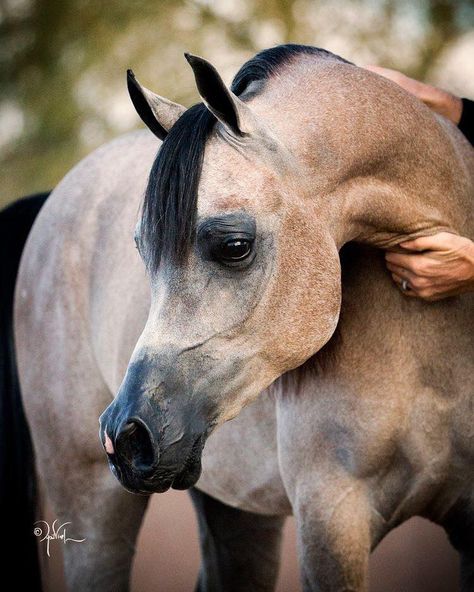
pixel 170 204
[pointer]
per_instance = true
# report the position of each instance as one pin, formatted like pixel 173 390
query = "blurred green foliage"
pixel 63 62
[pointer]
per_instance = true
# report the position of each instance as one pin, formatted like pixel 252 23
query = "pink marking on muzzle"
pixel 109 447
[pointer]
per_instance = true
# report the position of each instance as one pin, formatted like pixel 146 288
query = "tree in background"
pixel 63 62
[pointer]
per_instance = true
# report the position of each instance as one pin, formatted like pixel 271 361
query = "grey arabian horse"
pixel 368 416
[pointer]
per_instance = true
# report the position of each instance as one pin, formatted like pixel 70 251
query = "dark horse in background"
pixel 18 488
pixel 354 404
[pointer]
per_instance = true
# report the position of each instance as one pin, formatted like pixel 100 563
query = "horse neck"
pixel 384 168
pixel 423 189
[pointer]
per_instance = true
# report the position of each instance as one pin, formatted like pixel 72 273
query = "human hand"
pixel 436 99
pixel 434 267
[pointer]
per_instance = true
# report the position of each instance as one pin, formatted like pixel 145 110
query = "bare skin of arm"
pixel 442 265
pixel 435 266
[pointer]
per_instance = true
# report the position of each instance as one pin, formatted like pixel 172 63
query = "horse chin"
pixel 187 478
pixel 136 484
pixel 192 467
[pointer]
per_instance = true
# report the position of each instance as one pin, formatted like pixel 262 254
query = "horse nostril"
pixel 135 446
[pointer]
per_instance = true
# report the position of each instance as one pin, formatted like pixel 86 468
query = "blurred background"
pixel 63 93
pixel 63 62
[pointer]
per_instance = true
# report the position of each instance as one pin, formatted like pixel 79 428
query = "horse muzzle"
pixel 144 459
pixel 143 466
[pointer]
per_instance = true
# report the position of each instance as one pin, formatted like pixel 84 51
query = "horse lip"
pixel 153 488
pixel 181 481
pixel 147 486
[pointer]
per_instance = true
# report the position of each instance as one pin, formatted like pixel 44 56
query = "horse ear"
pixel 156 112
pixel 233 113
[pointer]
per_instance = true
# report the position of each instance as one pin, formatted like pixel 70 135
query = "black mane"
pixel 170 203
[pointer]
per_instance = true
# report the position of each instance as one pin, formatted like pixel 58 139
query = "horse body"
pixel 373 429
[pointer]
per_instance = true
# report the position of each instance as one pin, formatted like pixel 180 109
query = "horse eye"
pixel 234 250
